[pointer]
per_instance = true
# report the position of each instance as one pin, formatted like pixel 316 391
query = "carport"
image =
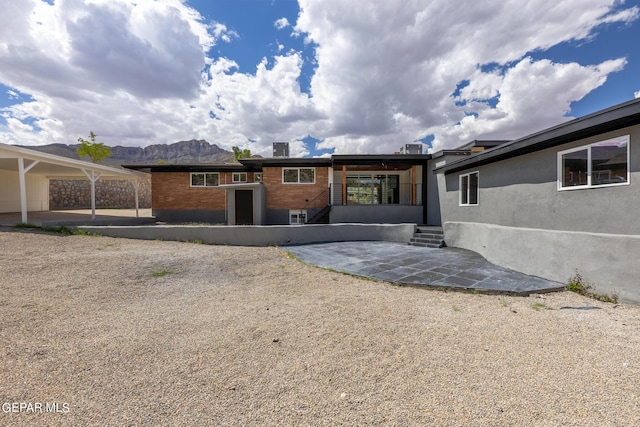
pixel 25 174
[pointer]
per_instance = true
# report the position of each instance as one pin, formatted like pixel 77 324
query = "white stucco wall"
pixel 37 192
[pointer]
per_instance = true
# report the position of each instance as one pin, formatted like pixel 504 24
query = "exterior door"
pixel 244 207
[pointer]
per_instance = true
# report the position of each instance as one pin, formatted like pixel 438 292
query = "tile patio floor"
pixel 404 264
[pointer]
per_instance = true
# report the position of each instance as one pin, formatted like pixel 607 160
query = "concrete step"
pixel 426 241
pixel 429 229
pixel 427 236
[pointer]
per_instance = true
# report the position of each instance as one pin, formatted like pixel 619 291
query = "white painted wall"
pixel 37 192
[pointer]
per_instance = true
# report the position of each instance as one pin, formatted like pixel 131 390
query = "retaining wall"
pixel 609 261
pixel 257 235
pixel 110 194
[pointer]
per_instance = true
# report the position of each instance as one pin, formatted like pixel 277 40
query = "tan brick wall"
pixel 172 190
pixel 293 196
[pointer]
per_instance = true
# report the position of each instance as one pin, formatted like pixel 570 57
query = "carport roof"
pixel 51 165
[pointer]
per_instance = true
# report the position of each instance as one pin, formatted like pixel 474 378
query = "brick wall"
pixel 172 190
pixel 294 196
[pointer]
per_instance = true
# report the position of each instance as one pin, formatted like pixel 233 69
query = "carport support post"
pixel 136 184
pixel 93 178
pixel 23 186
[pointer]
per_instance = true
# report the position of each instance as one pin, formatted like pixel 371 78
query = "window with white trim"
pixel 239 177
pixel 601 164
pixel 469 189
pixel 298 175
pixel 297 216
pixel 199 179
pixel 257 177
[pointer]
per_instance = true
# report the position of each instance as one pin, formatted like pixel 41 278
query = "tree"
pixel 97 151
pixel 240 154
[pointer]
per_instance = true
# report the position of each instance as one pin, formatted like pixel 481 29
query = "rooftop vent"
pixel 411 149
pixel 280 149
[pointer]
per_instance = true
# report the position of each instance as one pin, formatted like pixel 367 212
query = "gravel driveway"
pixel 103 331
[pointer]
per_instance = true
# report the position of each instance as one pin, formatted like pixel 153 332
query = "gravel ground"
pixel 249 336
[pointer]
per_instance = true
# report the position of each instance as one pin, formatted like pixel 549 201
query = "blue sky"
pixel 336 76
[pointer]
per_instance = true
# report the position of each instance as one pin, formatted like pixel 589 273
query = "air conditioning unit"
pixel 280 149
pixel 411 149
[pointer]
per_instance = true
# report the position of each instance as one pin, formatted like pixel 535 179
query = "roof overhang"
pixel 241 185
pixel 286 162
pixel 379 159
pixel 617 117
pixel 212 167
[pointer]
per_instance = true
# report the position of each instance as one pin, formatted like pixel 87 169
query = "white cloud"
pixel 408 61
pixel 636 94
pixel 388 72
pixel 537 92
pixel 281 23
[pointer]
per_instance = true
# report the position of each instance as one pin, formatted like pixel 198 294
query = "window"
pixel 297 216
pixel 205 179
pixel 257 177
pixel 604 163
pixel 298 175
pixel 239 177
pixel 469 189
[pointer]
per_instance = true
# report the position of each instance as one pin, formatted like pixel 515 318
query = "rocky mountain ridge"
pixel 181 152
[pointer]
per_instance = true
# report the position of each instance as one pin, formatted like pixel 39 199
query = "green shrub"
pixel 578 285
pixel 26 225
pixel 162 272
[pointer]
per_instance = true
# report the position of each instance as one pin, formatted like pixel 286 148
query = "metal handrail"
pixel 314 200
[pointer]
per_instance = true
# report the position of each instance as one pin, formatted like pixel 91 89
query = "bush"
pixel 578 285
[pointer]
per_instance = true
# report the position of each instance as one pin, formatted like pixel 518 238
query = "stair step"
pixel 435 230
pixel 420 240
pixel 425 245
pixel 428 236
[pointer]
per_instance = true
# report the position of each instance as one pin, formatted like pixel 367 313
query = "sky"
pixel 329 77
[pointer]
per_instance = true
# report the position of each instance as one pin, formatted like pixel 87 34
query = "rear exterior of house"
pixel 556 202
pixel 183 193
pixel 274 191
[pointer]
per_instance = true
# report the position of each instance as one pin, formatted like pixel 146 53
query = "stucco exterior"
pixel 524 222
pixel 37 192
pixel 523 192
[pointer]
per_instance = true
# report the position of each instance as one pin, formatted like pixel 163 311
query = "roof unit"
pixel 280 149
pixel 411 149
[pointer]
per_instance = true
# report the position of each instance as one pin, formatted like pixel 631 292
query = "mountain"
pixel 182 152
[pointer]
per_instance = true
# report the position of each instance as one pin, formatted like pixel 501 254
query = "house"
pixel 282 190
pixel 562 200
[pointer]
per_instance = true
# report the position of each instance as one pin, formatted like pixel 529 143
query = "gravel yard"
pixel 108 332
